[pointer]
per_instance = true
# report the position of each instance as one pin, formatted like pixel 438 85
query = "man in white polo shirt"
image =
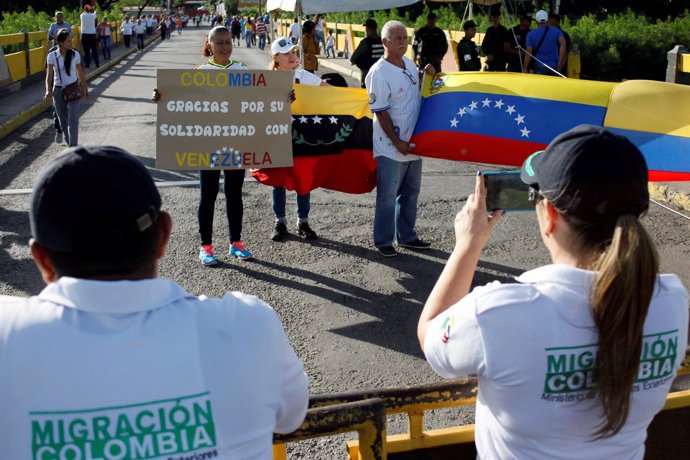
pixel 394 97
pixel 109 361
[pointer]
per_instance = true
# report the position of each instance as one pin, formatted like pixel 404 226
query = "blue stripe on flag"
pixel 663 152
pixel 509 117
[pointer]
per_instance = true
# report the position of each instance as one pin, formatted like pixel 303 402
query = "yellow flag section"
pixel 311 100
pixel 502 118
pixel 331 142
pixel 656 117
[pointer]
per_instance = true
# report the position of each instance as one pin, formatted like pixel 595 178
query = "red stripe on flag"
pixel 666 176
pixel 351 171
pixel 474 147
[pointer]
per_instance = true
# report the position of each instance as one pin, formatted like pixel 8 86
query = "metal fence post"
pixel 27 59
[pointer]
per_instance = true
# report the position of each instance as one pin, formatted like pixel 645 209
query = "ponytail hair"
pixel 627 266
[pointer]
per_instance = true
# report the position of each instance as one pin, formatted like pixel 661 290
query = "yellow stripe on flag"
pixel 650 106
pixel 594 93
pixel 331 100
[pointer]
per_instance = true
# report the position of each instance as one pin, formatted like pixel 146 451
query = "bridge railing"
pixel 33 48
pixel 348 36
pixel 346 412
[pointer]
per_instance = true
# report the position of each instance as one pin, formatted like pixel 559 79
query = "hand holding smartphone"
pixel 505 190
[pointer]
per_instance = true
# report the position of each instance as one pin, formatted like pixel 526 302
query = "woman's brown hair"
pixel 627 264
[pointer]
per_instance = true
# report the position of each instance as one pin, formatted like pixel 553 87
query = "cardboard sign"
pixel 223 119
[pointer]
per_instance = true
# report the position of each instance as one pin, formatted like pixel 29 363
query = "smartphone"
pixel 505 190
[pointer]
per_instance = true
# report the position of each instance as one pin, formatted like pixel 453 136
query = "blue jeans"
pixel 105 46
pixel 397 188
pixel 262 41
pixel 279 199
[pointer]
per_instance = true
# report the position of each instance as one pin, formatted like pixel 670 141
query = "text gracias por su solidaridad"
pixel 221 158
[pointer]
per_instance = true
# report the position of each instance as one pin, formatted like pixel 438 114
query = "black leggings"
pixel 210 184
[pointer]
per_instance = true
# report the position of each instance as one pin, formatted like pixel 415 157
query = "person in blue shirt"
pixel 548 47
pixel 59 23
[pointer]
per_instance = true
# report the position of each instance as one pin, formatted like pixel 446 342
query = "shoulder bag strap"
pixel 57 65
pixel 536 50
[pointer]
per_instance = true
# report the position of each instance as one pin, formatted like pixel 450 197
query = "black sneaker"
pixel 415 244
pixel 280 231
pixel 387 251
pixel 305 231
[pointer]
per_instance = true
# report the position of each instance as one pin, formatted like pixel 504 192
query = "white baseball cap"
pixel 542 16
pixel 282 45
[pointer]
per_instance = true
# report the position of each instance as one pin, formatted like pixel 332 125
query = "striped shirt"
pixel 211 64
pixel 260 28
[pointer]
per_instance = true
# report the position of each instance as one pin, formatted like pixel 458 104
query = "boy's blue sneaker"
pixel 206 255
pixel 238 250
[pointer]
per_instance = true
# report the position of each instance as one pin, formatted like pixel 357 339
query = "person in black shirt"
pixel 492 45
pixel 515 42
pixel 468 51
pixel 369 50
pixel 430 44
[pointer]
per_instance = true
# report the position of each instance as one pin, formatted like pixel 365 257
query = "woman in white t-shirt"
pixel 284 54
pixel 574 360
pixel 65 69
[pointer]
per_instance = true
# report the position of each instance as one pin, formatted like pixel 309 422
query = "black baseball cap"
pixel 92 195
pixel 372 24
pixel 525 15
pixel 591 174
pixel 469 25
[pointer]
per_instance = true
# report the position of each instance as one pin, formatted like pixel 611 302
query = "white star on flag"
pixel 510 109
pixel 303 119
pixel 473 105
pixel 333 120
pixel 520 119
pixel 461 112
pixel 317 119
pixel 225 149
pixel 453 122
pixel 486 102
pixel 525 132
pixel 293 119
pixel 499 104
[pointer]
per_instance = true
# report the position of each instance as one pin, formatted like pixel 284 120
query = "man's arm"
pixel 361 49
pixel 562 53
pixel 387 125
pixel 528 58
pixel 444 43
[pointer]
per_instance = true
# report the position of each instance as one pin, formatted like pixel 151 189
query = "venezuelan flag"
pixel 655 116
pixel 502 118
pixel 331 143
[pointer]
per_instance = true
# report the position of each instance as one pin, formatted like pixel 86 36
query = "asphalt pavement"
pixel 350 314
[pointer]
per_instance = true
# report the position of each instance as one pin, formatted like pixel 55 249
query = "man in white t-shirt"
pixel 89 42
pixel 294 32
pixel 394 97
pixel 127 29
pixel 109 361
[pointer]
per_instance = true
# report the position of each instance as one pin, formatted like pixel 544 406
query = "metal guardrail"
pixel 345 412
pixel 31 61
pixel 365 416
